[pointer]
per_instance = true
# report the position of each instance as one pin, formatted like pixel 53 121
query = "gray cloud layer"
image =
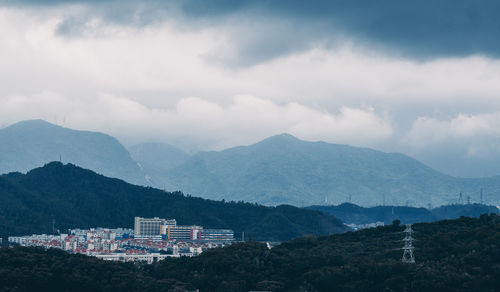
pixel 416 29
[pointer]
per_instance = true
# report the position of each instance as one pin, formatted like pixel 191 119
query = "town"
pixel 151 240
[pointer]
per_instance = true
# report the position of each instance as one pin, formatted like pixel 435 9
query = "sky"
pixel 417 77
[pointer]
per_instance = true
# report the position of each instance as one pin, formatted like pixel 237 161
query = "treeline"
pixel 78 198
pixel 351 213
pixel 451 255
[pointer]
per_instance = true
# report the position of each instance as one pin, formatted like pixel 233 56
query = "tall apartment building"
pixel 145 228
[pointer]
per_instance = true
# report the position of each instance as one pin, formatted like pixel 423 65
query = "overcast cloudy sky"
pixel 418 77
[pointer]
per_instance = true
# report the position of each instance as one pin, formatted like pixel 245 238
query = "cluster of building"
pixel 153 239
pixel 157 228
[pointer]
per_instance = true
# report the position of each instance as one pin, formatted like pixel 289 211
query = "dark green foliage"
pixel 459 255
pixel 35 269
pixel 79 198
pixel 350 213
pixel 451 255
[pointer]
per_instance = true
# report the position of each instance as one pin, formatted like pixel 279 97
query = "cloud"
pixel 421 29
pixel 464 145
pixel 158 65
pixel 246 120
pixel 427 131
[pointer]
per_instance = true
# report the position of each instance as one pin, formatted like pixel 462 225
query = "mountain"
pixel 450 255
pixel 353 214
pixel 283 169
pixel 29 144
pixel 156 159
pixel 78 198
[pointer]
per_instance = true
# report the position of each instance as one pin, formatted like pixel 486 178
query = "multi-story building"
pixel 217 235
pixel 183 232
pixel 145 228
pixel 158 228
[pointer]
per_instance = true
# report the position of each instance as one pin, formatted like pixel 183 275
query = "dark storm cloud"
pixel 416 29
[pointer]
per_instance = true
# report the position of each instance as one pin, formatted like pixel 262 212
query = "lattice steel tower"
pixel 408 248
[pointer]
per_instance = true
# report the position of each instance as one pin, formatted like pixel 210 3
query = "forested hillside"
pixel 79 198
pixel 451 255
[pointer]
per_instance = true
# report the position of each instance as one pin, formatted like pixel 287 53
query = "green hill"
pixel 284 169
pixel 79 198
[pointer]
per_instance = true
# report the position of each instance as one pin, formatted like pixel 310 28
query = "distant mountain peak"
pixel 281 138
pixel 32 123
pixel 284 136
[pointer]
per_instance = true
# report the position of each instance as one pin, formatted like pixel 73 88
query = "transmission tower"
pixel 408 248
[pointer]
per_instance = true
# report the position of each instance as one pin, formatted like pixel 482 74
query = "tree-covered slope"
pixel 458 255
pixel 353 214
pixel 451 255
pixel 284 169
pixel 29 144
pixel 79 198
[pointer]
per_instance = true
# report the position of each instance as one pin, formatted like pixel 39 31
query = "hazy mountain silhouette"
pixel 29 144
pixel 284 169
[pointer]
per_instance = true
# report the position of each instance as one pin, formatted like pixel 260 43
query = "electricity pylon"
pixel 408 248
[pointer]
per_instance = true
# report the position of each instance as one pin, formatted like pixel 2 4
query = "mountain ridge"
pixel 285 169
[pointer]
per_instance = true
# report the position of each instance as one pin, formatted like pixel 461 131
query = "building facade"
pixel 145 228
pixel 217 235
pixel 183 232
